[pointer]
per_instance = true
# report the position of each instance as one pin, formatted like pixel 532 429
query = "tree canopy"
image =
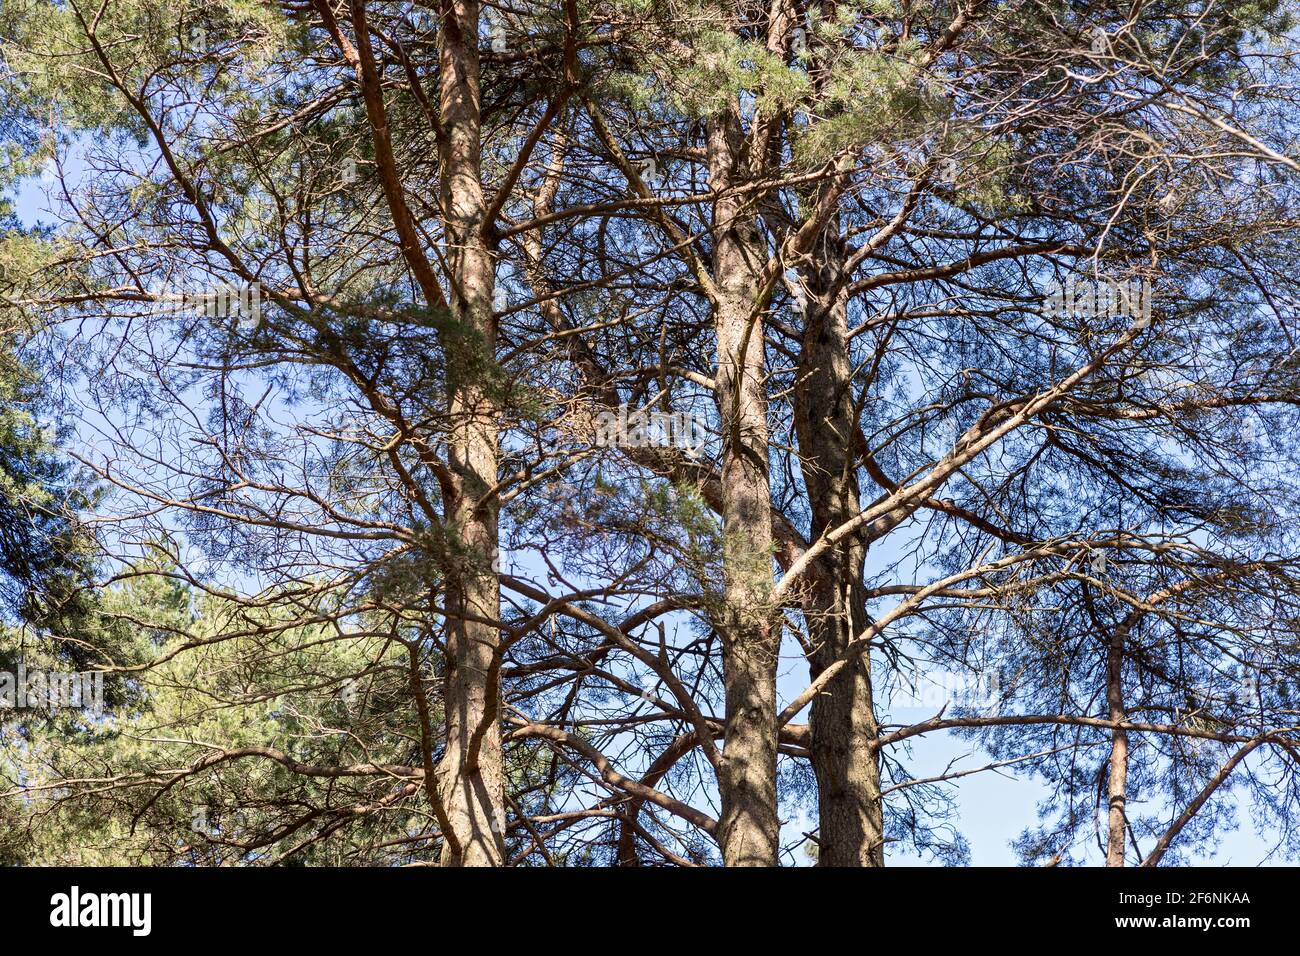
pixel 559 432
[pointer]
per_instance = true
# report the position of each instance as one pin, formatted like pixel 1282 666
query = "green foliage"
pixel 226 678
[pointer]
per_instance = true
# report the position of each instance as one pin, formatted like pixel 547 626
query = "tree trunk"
pixel 842 723
pixel 749 826
pixel 843 731
pixel 471 774
pixel 1118 783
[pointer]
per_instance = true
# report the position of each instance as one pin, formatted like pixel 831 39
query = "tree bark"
pixel 471 773
pixel 1117 827
pixel 842 723
pixel 749 829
